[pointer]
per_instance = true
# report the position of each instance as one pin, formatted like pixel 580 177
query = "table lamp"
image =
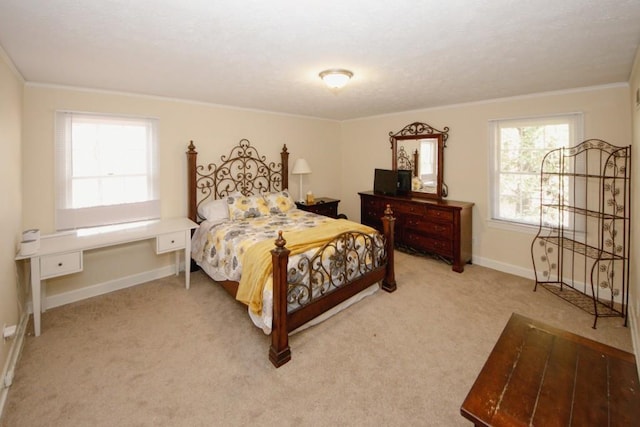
pixel 301 167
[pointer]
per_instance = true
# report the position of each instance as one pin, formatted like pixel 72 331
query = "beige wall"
pixel 342 156
pixel 634 85
pixel 466 158
pixel 213 129
pixel 11 300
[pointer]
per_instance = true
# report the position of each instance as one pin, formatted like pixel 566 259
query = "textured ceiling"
pixel 266 55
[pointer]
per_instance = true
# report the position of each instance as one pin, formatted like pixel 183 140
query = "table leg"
pixel 187 260
pixel 35 294
pixel 43 296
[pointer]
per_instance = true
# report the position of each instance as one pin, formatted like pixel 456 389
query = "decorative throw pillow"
pixel 279 202
pixel 215 210
pixel 241 207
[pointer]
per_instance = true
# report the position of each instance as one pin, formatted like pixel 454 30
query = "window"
pixel 518 148
pixel 106 170
pixel 428 155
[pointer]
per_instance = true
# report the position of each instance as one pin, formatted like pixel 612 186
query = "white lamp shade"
pixel 301 167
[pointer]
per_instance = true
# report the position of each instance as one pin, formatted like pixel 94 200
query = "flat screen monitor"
pixel 385 181
pixel 404 182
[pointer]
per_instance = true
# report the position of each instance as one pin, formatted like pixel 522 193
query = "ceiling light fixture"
pixel 336 78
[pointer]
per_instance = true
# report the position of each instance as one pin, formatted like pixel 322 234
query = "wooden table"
pixel 538 375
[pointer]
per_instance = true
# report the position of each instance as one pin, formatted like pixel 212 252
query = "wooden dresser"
pixel 441 227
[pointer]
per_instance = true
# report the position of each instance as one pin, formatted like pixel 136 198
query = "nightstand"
pixel 322 206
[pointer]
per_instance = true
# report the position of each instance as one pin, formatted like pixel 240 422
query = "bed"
pixel 327 265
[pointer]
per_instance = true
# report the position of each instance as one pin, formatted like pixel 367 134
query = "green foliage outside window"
pixel 520 150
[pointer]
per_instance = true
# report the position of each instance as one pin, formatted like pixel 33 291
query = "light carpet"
pixel 159 355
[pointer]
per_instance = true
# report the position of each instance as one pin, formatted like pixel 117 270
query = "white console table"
pixel 61 254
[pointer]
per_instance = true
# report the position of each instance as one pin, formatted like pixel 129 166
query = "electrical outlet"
pixel 8 379
pixel 8 331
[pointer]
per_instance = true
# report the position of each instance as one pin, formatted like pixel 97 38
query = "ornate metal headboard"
pixel 407 162
pixel 243 170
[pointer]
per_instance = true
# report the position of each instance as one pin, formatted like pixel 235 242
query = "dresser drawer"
pixel 426 225
pixel 170 242
pixel 322 206
pixel 439 214
pixel 428 244
pixel 408 208
pixel 60 264
pixel 371 212
pixel 423 209
pixel 327 209
pixel 373 206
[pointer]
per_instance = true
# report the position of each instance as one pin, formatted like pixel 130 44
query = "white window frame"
pixel 576 131
pixel 69 217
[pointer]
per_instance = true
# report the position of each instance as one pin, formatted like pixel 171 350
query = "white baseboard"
pixel 530 274
pixel 504 267
pixel 103 288
pixel 12 361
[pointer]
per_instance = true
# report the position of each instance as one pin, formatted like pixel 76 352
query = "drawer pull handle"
pixel 59 264
pixel 173 241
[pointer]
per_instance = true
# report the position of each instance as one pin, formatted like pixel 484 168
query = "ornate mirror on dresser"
pixel 425 222
pixel 419 147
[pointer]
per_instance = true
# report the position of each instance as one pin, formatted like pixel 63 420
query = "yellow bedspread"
pixel 258 267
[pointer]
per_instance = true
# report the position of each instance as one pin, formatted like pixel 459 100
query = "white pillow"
pixel 214 210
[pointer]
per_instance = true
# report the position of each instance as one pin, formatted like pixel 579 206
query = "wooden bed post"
pixel 192 156
pixel 284 159
pixel 279 352
pixel 388 227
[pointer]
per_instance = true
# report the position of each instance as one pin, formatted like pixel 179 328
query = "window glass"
pixel 519 146
pixel 106 170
